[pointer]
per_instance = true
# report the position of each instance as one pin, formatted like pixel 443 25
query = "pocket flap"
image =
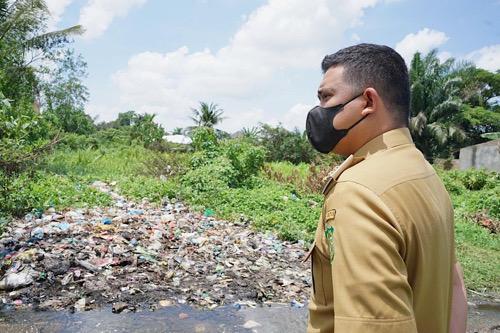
pixel 309 252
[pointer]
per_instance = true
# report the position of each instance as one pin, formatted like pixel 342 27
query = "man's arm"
pixel 458 318
pixel 371 289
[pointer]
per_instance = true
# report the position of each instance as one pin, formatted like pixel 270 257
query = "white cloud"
pixel 97 15
pixel 280 35
pixel 444 55
pixel 56 8
pixel 423 41
pixel 296 116
pixel 487 57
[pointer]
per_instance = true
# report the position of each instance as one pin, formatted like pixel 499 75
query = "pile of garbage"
pixel 141 255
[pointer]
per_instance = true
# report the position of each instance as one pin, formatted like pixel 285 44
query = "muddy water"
pixel 277 318
pixel 274 319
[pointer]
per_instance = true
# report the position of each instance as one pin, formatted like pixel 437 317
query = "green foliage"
pixel 210 178
pixel 25 192
pixel 207 115
pixel 450 104
pixel 25 42
pixel 245 158
pixel 491 136
pixel 284 145
pixel 105 163
pixel 479 121
pixel 474 191
pixel 166 164
pixel 269 206
pixel 143 187
pixel 24 136
pixel 146 130
pixel 204 139
pixel 65 95
pixel 476 180
pixel 478 253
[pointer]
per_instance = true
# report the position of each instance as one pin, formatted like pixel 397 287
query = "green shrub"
pixel 74 141
pixel 211 177
pixel 25 192
pixel 476 180
pixel 284 145
pixel 25 136
pixel 245 158
pixel 452 182
pixel 166 164
pixel 143 187
pixel 204 139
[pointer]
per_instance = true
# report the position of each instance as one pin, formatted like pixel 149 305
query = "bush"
pixel 476 180
pixel 25 192
pixel 451 180
pixel 204 139
pixel 237 160
pixel 163 164
pixel 284 145
pixel 210 178
pixel 306 178
pixel 25 136
pixel 142 187
pixel 74 141
pixel 245 159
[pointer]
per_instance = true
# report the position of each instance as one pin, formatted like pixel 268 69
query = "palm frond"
pixel 418 123
pixel 45 40
pixel 446 109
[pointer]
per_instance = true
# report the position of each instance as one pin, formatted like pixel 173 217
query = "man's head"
pixel 380 75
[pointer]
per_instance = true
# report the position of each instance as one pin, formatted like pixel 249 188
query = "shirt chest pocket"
pixel 321 269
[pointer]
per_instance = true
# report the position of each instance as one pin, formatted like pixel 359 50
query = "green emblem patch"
pixel 330 241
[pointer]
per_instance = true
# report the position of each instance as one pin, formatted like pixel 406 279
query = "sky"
pixel 259 60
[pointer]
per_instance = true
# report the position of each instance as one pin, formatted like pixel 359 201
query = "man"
pixel 383 258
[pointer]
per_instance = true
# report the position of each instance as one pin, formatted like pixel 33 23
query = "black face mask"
pixel 320 130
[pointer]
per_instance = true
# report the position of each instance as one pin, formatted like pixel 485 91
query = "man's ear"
pixel 373 101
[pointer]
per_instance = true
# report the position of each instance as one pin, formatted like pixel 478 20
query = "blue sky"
pixel 259 60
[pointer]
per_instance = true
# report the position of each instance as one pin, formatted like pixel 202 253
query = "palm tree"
pixel 177 131
pixel 435 102
pixel 24 41
pixel 207 115
pixel 28 17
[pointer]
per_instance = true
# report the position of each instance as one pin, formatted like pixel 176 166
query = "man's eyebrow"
pixel 322 91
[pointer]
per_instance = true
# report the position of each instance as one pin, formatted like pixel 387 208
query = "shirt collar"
pixel 387 140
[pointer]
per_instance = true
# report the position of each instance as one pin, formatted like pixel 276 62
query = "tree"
pixel 479 86
pixel 177 131
pixel 452 104
pixel 435 102
pixel 65 95
pixel 284 145
pixel 146 130
pixel 207 115
pixel 24 43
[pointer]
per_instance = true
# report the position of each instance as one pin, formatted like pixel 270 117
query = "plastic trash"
pixel 209 212
pixel 13 281
pixel 64 226
pixel 295 304
pixel 136 211
pixel 37 233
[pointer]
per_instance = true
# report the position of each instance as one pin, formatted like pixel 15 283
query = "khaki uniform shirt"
pixel 384 246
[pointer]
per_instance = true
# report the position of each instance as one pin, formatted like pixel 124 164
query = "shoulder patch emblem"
pixel 329 230
pixel 330 215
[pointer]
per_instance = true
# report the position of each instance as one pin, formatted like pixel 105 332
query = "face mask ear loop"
pixel 357 122
pixel 352 99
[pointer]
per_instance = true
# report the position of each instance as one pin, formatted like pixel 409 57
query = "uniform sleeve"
pixel 370 286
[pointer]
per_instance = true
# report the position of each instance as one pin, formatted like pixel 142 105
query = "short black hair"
pixel 379 67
